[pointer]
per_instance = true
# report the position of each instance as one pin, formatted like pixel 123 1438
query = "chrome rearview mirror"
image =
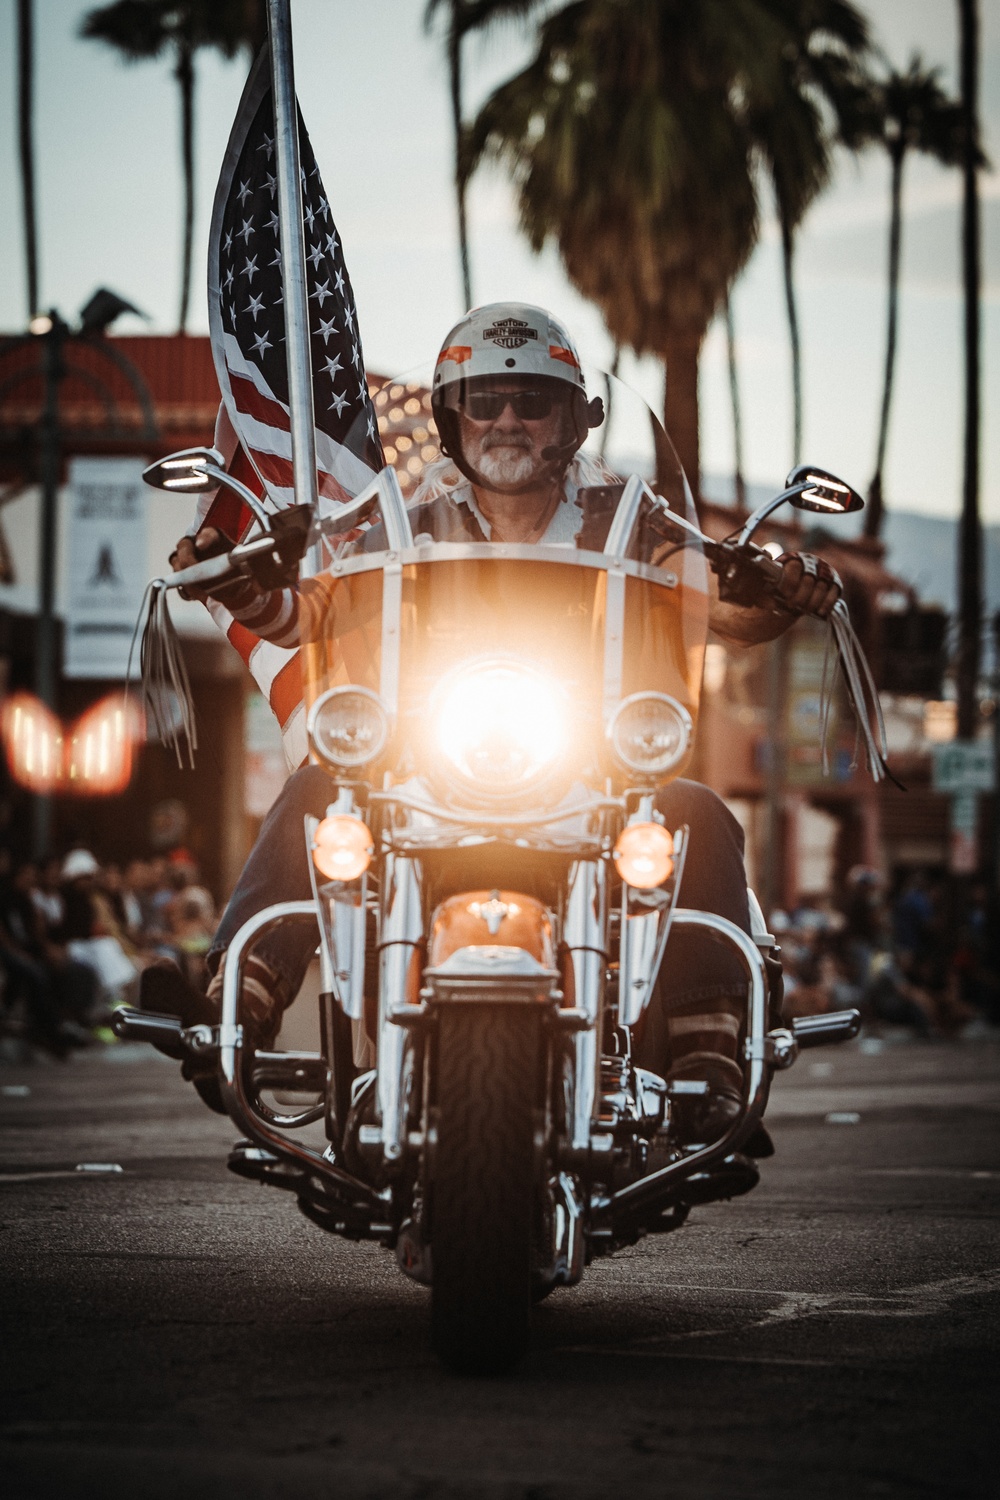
pixel 822 491
pixel 195 471
pixel 807 488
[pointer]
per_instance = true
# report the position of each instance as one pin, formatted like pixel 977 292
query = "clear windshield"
pixel 473 580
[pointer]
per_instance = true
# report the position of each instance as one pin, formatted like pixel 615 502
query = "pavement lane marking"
pixel 965 1173
pixel 922 1301
pixel 82 1169
pixel 794 1100
pixel 925 1300
pixel 632 1352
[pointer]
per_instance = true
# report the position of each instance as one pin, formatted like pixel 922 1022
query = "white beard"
pixel 506 465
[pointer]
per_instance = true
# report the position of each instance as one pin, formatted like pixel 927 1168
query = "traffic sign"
pixel 965 766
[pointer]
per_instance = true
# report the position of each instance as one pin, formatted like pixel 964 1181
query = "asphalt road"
pixel 173 1331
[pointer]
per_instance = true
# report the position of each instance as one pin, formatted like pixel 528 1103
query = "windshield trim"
pixel 430 552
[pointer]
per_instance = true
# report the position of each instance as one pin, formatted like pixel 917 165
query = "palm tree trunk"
pixel 970 535
pixel 184 74
pixel 787 252
pixel 455 78
pixel 680 401
pixel 739 483
pixel 873 515
pixel 25 112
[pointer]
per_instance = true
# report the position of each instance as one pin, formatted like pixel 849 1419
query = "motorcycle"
pixel 494 888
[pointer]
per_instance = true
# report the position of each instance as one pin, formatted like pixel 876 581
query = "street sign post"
pixel 964 766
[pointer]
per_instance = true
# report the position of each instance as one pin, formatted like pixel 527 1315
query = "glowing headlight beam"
pixel 501 725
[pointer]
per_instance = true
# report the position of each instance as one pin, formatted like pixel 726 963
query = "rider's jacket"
pixel 292 616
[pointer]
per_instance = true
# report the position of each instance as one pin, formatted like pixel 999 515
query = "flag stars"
pixel 246 231
pixel 273 222
pixel 356 356
pixel 332 244
pixel 333 366
pixel 338 403
pixel 339 282
pixel 326 328
pixel 254 306
pixel 271 183
pixel 244 192
pixel 227 243
pixel 250 268
pixel 277 258
pixel 322 291
pixel 309 217
pixel 228 279
pixel 315 256
pixel 267 145
pixel 262 342
pixel 348 318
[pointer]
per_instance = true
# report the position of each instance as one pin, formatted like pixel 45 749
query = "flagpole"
pixel 293 255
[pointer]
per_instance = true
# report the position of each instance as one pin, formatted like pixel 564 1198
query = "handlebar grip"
pixel 769 569
pixel 200 575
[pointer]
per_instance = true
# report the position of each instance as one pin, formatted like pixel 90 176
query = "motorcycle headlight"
pixel 501 726
pixel 650 734
pixel 348 727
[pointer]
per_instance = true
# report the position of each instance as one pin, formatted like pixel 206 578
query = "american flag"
pixel 247 322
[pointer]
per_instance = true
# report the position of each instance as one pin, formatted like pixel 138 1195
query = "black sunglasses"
pixel 486 406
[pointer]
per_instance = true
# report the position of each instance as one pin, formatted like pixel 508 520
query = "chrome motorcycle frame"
pixel 415 820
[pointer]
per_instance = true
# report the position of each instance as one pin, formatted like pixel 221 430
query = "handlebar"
pixel 747 575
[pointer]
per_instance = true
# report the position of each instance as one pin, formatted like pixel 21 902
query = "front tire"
pixel 483 1198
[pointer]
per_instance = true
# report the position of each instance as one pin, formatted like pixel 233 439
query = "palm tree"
pixel 465 16
pixel 970 581
pixel 633 137
pixel 823 98
pixel 144 29
pixel 739 479
pixel 26 145
pixel 914 114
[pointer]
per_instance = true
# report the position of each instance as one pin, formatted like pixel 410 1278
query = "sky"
pixel 373 90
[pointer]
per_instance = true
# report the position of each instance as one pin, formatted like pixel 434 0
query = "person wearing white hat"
pixel 512 411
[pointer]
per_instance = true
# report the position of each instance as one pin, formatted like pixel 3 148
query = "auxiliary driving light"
pixel 501 725
pixel 342 847
pixel 650 734
pixel 644 855
pixel 348 727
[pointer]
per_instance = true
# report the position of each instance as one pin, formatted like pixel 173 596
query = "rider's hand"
pixel 809 586
pixel 195 549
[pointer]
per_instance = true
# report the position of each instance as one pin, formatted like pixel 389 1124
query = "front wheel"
pixel 483 1199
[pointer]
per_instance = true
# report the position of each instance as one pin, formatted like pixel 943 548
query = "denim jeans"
pixel 695 967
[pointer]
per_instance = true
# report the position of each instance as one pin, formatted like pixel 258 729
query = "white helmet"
pixel 505 339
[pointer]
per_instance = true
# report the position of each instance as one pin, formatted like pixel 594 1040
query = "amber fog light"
pixel 644 855
pixel 342 847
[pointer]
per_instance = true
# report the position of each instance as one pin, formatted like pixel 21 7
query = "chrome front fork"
pixel 401 935
pixel 585 934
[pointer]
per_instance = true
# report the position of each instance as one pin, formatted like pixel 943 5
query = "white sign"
pixel 965 766
pixel 107 565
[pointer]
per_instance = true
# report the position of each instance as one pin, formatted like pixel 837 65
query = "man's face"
pixel 506 446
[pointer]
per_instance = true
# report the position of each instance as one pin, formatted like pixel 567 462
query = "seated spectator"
pixel 55 993
pixel 90 930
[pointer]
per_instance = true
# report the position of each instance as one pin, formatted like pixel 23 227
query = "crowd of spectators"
pixel 922 953
pixel 76 934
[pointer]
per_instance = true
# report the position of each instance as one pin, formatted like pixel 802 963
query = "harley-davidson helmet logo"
pixel 510 333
